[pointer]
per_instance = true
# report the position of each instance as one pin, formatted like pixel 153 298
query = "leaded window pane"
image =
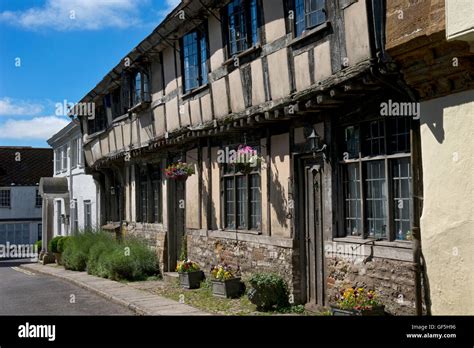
pixel 229 202
pixel 401 196
pixel 376 199
pixel 255 201
pixel 353 200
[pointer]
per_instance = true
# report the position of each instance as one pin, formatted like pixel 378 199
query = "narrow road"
pixel 26 293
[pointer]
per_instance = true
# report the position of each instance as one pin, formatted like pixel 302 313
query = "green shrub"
pixel 62 244
pixel 39 246
pixel 53 244
pixel 268 291
pixel 132 260
pixel 101 255
pixel 98 253
pixel 76 254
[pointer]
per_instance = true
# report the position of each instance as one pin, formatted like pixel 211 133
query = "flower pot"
pixel 226 289
pixel 59 258
pixel 375 311
pixel 190 280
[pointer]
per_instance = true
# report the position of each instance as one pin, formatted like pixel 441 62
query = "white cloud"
pixel 64 15
pixel 16 107
pixel 37 128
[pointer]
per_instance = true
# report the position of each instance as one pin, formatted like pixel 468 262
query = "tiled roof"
pixel 24 166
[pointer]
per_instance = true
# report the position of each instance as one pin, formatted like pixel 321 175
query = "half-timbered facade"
pixel 303 82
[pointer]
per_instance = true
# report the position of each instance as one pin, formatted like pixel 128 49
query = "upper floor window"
pixel 64 158
pixel 5 200
pixel 242 20
pixel 308 14
pixel 140 88
pixel 76 153
pixel 99 122
pixel 377 180
pixel 195 57
pixel 38 199
pixel 57 161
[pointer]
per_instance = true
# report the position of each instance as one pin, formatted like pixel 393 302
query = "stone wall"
pixel 154 236
pixel 392 280
pixel 251 252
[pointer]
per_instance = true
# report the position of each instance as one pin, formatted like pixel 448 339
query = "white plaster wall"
pixel 447 225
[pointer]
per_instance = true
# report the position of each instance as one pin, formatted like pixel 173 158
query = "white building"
pixel 20 203
pixel 69 163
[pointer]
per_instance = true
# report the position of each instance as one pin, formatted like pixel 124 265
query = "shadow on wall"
pixel 212 215
pixel 278 198
pixel 432 112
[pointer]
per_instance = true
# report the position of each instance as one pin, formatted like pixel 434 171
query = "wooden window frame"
pixel 388 158
pixel 234 175
pixel 306 14
pixel 249 37
pixel 202 76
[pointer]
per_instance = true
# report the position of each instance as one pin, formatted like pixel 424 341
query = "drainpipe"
pixel 384 70
pixel 72 214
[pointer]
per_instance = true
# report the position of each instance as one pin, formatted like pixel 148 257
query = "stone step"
pixel 171 277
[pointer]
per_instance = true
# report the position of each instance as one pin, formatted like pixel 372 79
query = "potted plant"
pixel 359 302
pixel 225 283
pixel 190 274
pixel 179 171
pixel 246 159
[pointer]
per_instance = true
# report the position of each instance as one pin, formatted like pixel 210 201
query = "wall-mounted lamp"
pixel 314 141
pixel 112 190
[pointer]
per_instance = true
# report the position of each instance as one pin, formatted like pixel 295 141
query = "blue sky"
pixel 58 50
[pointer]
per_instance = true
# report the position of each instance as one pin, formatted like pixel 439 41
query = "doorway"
pixel 176 220
pixel 311 230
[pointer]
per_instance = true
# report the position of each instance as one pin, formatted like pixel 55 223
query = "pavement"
pixel 136 300
pixel 23 292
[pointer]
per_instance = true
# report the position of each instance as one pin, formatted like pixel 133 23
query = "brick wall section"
pixel 392 280
pixel 251 257
pixel 410 19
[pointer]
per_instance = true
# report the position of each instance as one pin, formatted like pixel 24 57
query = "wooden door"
pixel 314 245
pixel 176 221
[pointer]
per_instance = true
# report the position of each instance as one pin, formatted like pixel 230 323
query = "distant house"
pixel 20 203
pixel 69 164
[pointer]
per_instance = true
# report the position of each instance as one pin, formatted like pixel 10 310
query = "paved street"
pixel 26 293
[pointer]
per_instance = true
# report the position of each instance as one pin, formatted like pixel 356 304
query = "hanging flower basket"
pixel 179 171
pixel 246 159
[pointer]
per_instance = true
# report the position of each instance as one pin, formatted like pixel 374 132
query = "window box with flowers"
pixel 190 275
pixel 179 171
pixel 225 282
pixel 357 302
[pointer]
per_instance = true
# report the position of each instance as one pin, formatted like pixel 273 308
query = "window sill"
pixel 120 118
pixel 404 244
pixel 243 231
pixel 308 34
pixel 242 54
pixel 195 91
pixel 140 107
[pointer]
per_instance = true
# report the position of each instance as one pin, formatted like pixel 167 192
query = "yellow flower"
pixel 360 290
